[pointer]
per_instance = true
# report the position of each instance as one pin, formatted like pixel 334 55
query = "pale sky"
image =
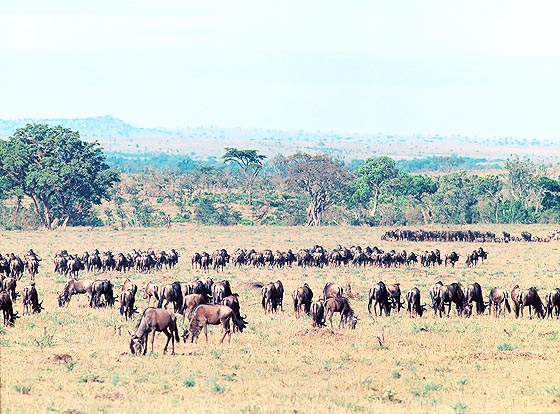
pixel 485 68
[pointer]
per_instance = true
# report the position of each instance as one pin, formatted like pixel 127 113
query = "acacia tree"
pixel 250 163
pixel 323 179
pixel 63 175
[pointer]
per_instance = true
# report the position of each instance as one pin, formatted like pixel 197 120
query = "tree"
pixel 490 187
pixel 324 180
pixel 415 187
pixel 522 181
pixel 371 177
pixel 250 163
pixel 454 200
pixel 63 175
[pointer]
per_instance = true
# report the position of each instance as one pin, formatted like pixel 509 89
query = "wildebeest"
pixel 434 292
pixel 452 293
pixel 102 287
pixel 154 320
pixel 9 284
pixel 16 266
pixel 413 302
pixel 279 300
pixel 332 290
pixel 516 298
pixel 268 297
pixel 552 300
pixel 318 314
pixel 530 298
pixel 302 297
pixel 379 296
pixel 394 295
pixel 127 303
pixel 203 315
pixel 75 287
pixel 474 294
pixel 497 298
pixel 7 309
pixel 342 305
pixel 171 293
pixel 30 300
pixel 451 258
pixel 190 302
pixel 220 290
pixel 151 290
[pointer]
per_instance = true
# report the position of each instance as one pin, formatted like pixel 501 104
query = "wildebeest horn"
pixel 130 333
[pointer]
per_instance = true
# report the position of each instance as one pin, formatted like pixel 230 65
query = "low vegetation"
pixel 77 359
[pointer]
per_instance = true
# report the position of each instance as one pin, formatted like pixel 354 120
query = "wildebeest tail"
pixel 238 321
pixel 176 332
pixel 506 302
pixel 160 300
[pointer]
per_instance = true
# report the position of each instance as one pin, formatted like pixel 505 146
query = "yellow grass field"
pixel 77 359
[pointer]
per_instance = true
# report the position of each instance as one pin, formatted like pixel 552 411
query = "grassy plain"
pixel 75 360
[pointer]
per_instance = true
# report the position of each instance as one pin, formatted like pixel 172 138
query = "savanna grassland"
pixel 77 359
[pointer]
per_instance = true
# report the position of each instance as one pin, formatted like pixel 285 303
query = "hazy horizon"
pixel 404 67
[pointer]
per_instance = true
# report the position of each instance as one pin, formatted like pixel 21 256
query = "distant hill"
pixel 118 136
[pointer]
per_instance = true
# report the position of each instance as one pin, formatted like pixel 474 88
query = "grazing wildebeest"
pixel 342 305
pixel 219 290
pixel 394 292
pixel 171 293
pixel 552 299
pixel 102 287
pixel 452 293
pixel 129 285
pixel 127 303
pixel 434 292
pixel 474 294
pixel 213 315
pixel 451 259
pixel 154 320
pixel 75 287
pixel 7 309
pixel 413 302
pixel 151 290
pixel 379 296
pixel 268 297
pixel 496 298
pixel 232 301
pixel 302 297
pixel 190 302
pixel 318 314
pixel 9 284
pixel 530 297
pixel 332 290
pixel 30 300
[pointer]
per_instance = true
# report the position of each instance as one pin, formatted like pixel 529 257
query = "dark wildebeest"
pixel 219 290
pixel 32 263
pixel 472 259
pixel 413 302
pixel 268 297
pixel 342 305
pixel 379 296
pixel 171 293
pixel 483 255
pixel 530 297
pixel 474 294
pixel 552 299
pixel 190 302
pixel 31 300
pixel 451 259
pixel 394 292
pixel 452 293
pixel 151 290
pixel 232 301
pixel 102 287
pixel 302 297
pixel 7 309
pixel 279 300
pixel 154 320
pixel 74 265
pixel 16 266
pixel 75 287
pixel 203 315
pixel 318 314
pixel 332 290
pixel 127 303
pixel 496 298
pixel 434 292
pixel 9 284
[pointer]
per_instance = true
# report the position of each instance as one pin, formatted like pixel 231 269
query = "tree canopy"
pixel 250 162
pixel 63 175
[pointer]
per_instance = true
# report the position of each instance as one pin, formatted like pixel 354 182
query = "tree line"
pixel 50 177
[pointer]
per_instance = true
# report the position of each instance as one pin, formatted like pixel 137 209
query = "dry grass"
pixel 74 360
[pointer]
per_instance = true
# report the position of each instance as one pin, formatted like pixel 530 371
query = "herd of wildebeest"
pixel 205 301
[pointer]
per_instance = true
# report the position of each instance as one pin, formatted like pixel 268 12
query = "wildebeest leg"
pixel 169 337
pixel 206 331
pixel 153 337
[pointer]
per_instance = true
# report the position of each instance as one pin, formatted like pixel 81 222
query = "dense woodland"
pixel 50 177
